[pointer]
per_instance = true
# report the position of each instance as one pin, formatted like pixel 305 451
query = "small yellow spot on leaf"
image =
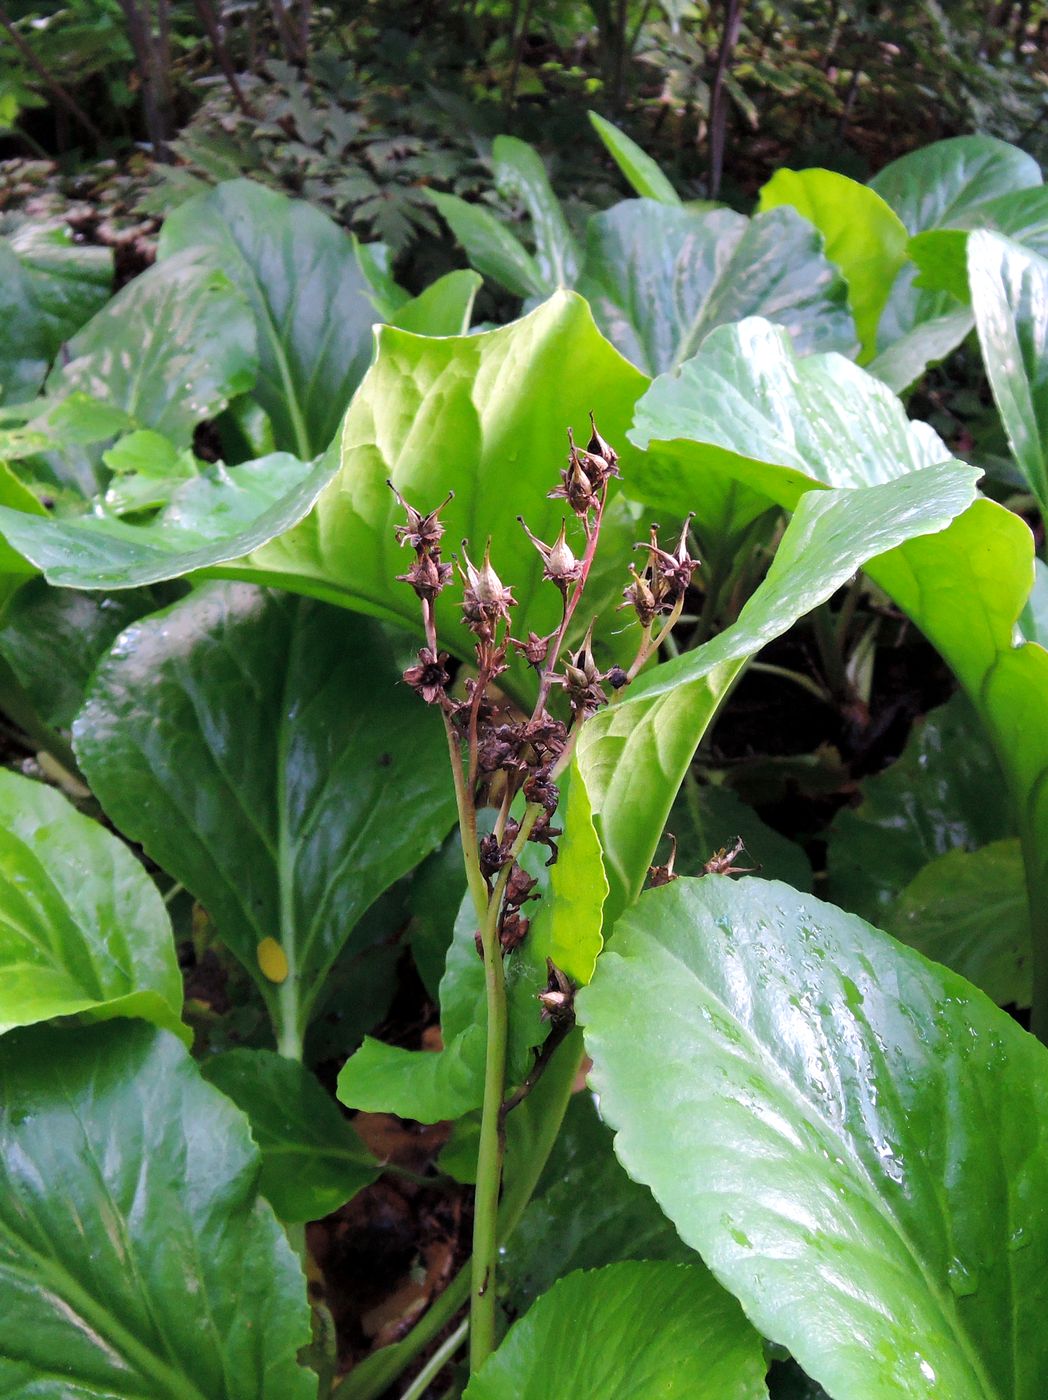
pixel 272 959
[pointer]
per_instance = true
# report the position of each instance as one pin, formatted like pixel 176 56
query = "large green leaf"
pixel 49 286
pixel 520 174
pixel 645 176
pixel 945 792
pixel 941 254
pixel 310 301
pixel 629 1330
pixel 312 1160
pixel 483 415
pixel 936 185
pixel 585 1213
pixel 660 278
pixel 216 517
pixel 490 246
pixel 82 926
pixel 968 909
pixel 850 1135
pixel 747 422
pixel 1009 287
pixel 170 350
pixel 633 755
pixel 864 237
pixel 135 1256
pixel 985 559
pixel 261 748
pixel 943 185
pixel 52 639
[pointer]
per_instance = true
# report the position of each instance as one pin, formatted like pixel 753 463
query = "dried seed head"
pixel 663 874
pixel 512 930
pixel 640 598
pixel 427 575
pixel 520 887
pixel 422 532
pixel 558 1000
pixel 533 649
pixel 485 601
pixel 428 676
pixel 672 571
pixel 559 564
pixel 539 788
pixel 581 679
pixel 599 448
pixel 722 862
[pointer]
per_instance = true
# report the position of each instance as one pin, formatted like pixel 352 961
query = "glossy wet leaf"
pixel 52 639
pixel 660 278
pixel 944 185
pixel 968 910
pixel 986 559
pixel 312 1160
pixel 170 350
pixel 848 1134
pixel 82 926
pixel 490 246
pixel 864 237
pixel 263 750
pixel 944 792
pixel 483 415
pixel 936 185
pixel 309 299
pixel 136 1258
pixel 747 422
pixel 941 254
pixel 444 308
pixel 1009 286
pixel 644 175
pixel 586 1213
pixel 521 175
pixel 634 754
pixel 216 517
pixel 631 1329
pixel 49 286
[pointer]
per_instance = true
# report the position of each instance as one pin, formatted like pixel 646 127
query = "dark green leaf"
pixel 968 909
pixel 850 1135
pixel 490 246
pixel 312 1160
pixel 262 749
pixel 945 792
pixel 170 350
pixel 660 278
pixel 310 301
pixel 707 817
pixel 936 185
pixel 589 1214
pixel 135 1256
pixel 49 286
pixel 632 1329
pixel 82 926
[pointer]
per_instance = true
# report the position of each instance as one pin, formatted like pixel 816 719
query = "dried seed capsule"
pixel 422 531
pixel 428 676
pixel 559 564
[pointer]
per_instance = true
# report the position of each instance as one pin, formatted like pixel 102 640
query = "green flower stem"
pixel 492 1127
pixel 436 1363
